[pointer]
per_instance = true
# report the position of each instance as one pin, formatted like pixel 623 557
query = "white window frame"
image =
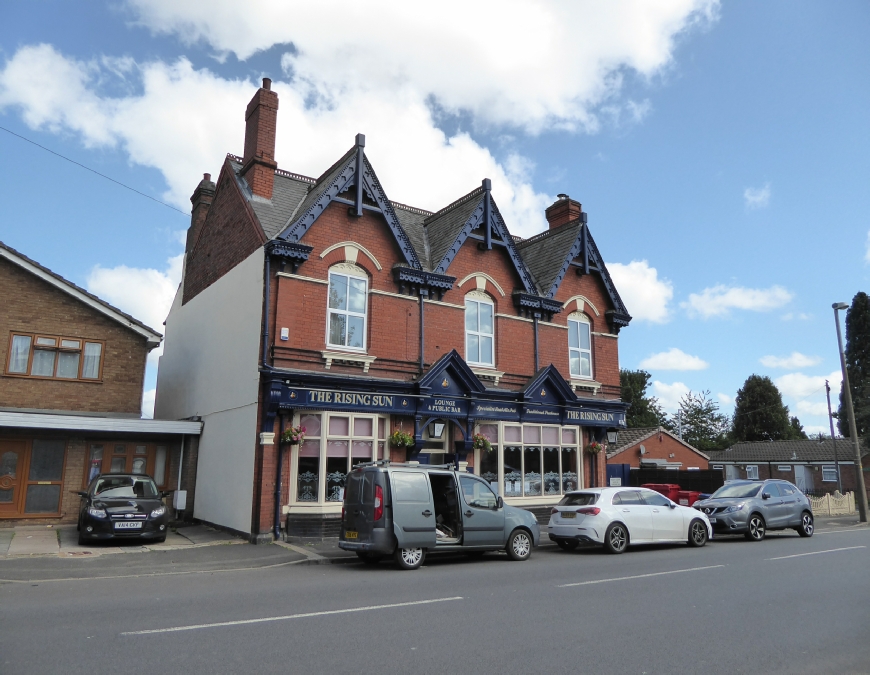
pixel 752 471
pixel 479 298
pixel 833 469
pixel 348 271
pixel 580 319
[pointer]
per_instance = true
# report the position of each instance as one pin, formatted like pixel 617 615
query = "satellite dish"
pixel 642 450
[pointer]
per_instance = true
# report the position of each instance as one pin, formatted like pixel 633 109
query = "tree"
pixel 700 422
pixel 760 415
pixel 643 411
pixel 858 365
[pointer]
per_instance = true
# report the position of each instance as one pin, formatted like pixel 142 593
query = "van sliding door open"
pixel 413 509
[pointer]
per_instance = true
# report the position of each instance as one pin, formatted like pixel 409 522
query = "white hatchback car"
pixel 617 517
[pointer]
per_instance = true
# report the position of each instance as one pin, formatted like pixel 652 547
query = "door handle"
pixel 626 511
pixel 469 513
pixel 427 513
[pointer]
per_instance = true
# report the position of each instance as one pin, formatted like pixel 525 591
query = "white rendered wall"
pixel 209 368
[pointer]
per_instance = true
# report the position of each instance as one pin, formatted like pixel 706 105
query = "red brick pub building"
pixel 321 303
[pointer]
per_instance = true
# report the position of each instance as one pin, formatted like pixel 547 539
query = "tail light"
pixel 379 502
pixel 589 511
pixel 342 512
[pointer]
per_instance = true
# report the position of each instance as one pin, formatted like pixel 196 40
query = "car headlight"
pixel 732 509
pixel 96 513
pixel 159 511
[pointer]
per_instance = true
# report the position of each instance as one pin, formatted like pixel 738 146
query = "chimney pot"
pixel 267 84
pixel 206 177
pixel 563 210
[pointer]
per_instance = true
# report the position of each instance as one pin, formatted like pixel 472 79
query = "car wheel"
pixel 697 533
pixel 410 558
pixel 519 545
pixel 567 544
pixel 369 558
pixel 616 538
pixel 806 528
pixel 757 528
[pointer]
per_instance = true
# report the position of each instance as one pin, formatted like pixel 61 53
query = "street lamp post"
pixel 853 429
pixel 833 438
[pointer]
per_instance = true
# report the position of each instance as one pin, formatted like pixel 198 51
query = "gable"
pixel 450 376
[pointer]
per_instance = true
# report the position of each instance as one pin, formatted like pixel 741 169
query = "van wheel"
pixel 519 546
pixel 410 558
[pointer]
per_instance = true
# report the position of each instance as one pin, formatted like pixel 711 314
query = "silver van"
pixel 406 510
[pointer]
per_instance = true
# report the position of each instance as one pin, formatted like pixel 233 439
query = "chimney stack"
pixel 258 164
pixel 563 210
pixel 201 201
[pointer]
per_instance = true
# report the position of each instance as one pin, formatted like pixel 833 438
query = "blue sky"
pixel 721 151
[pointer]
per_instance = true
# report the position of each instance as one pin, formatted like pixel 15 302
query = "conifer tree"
pixel 644 410
pixel 858 365
pixel 760 415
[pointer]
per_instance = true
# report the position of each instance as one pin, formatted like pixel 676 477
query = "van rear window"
pixel 579 499
pixel 410 487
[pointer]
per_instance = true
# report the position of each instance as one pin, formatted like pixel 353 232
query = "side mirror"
pixel 499 503
pixel 82 493
pixel 166 493
pixel 765 495
pixel 672 505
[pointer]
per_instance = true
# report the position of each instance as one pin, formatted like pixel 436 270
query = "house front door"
pixel 12 480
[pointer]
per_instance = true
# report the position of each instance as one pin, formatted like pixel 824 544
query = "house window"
pixel 479 329
pixel 347 310
pixel 334 443
pixel 829 474
pixel 752 472
pixel 54 357
pixel 127 457
pixel 579 346
pixel 539 460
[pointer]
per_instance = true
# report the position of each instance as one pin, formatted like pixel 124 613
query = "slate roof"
pixel 630 437
pixel 785 452
pixel 431 234
pixel 74 290
pixel 545 253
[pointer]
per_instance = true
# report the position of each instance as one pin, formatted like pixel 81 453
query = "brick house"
pixel 73 368
pixel 809 464
pixel 655 447
pixel 319 302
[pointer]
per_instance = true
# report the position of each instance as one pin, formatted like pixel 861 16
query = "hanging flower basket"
pixel 594 447
pixel 481 442
pixel 293 435
pixel 400 439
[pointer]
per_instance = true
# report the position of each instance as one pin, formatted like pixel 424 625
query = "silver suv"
pixel 754 507
pixel 405 510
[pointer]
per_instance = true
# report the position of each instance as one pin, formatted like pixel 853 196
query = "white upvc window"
pixel 829 474
pixel 752 472
pixel 579 346
pixel 346 317
pixel 479 329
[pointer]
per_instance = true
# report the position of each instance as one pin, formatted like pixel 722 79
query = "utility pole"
pixel 833 437
pixel 861 497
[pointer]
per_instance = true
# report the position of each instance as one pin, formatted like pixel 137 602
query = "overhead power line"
pixel 101 175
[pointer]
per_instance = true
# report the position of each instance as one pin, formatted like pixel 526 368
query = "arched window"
pixel 579 346
pixel 348 302
pixel 479 329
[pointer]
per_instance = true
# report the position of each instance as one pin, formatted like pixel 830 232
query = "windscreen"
pixel 741 490
pixel 579 499
pixel 113 487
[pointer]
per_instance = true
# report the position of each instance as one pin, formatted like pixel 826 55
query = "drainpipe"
pixel 268 279
pixel 537 316
pixel 278 476
pixel 424 293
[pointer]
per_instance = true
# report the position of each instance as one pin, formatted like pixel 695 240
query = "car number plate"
pixel 712 520
pixel 350 534
pixel 569 514
pixel 132 525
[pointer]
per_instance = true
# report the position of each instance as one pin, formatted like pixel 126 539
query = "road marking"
pixel 639 576
pixel 306 615
pixel 830 550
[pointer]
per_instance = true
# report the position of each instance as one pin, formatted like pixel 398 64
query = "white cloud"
pixel 813 407
pixel 799 386
pixel 148 403
pixel 380 68
pixel 645 295
pixel 800 316
pixel 674 359
pixel 720 299
pixel 669 395
pixel 757 198
pixel 794 360
pixel 725 399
